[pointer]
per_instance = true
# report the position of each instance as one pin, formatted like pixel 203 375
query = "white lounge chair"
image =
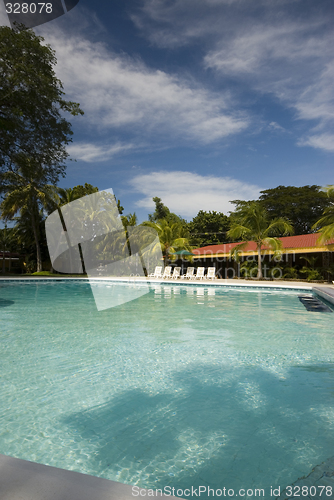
pixel 199 274
pixel 211 274
pixel 190 273
pixel 167 272
pixel 157 273
pixel 176 273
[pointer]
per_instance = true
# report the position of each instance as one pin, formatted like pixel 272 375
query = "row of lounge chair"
pixel 176 273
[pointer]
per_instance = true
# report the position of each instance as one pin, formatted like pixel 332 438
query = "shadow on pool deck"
pixel 253 428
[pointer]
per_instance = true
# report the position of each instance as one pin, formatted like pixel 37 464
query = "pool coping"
pixel 231 283
pixel 323 290
pixel 24 480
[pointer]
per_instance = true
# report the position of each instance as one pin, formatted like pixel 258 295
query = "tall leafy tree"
pixel 303 206
pixel 208 228
pixel 252 222
pixel 163 212
pixel 32 103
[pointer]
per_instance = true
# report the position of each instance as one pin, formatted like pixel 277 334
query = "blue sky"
pixel 198 102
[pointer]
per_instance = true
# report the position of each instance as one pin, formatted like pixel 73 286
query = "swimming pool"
pixel 184 386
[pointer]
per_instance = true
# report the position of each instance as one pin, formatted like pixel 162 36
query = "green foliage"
pixel 163 212
pixel 249 269
pixel 62 196
pixel 312 273
pixel 326 223
pixel 160 212
pixel 32 103
pixel 8 243
pixel 208 228
pixel 80 191
pixel 290 272
pixel 302 206
pixel 251 222
pixel 173 236
pixel 26 190
pixel 42 273
pixel 129 220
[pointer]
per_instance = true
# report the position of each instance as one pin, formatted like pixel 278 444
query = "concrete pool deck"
pixel 23 480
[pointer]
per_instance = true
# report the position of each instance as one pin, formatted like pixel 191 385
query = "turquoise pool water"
pixel 185 386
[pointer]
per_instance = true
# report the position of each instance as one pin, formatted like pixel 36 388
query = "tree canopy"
pixel 163 212
pixel 303 206
pixel 208 228
pixel 31 103
pixel 173 236
pixel 326 223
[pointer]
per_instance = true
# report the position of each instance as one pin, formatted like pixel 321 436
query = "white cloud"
pixel 178 23
pixel 263 49
pixel 276 126
pixel 281 48
pixel 119 92
pixel 322 141
pixel 289 61
pixel 317 100
pixel 89 152
pixel 186 193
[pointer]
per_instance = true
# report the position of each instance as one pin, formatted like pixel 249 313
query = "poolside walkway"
pixel 23 480
pixel 215 282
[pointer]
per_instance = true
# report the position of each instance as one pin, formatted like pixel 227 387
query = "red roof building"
pixel 304 243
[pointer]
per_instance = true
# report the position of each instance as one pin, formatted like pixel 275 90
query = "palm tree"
pixel 251 222
pixel 326 223
pixel 172 236
pixel 26 189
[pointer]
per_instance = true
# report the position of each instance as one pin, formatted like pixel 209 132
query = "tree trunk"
pixel 38 248
pixel 166 257
pixel 67 238
pixel 4 250
pixel 259 263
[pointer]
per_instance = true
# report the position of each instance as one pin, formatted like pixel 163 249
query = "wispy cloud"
pixel 90 152
pixel 321 141
pixel 186 193
pixel 275 49
pixel 275 126
pixel 294 62
pixel 119 93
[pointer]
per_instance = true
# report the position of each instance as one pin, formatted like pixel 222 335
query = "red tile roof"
pixel 300 241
